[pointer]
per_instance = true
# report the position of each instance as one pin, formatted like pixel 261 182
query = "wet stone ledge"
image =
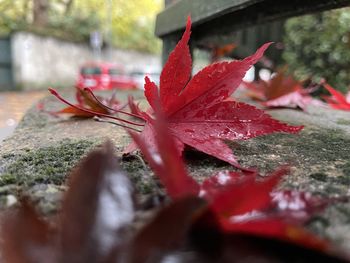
pixel 35 160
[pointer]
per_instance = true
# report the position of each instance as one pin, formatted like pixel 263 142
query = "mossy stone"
pixel 48 165
pixel 343 122
pixel 319 176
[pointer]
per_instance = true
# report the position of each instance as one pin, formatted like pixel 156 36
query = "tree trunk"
pixel 40 12
pixel 69 5
pixel 168 2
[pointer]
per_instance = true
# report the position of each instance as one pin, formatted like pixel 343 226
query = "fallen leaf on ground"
pixel 96 221
pixel 240 203
pixel 91 104
pixel 281 91
pixel 98 212
pixel 199 110
pixel 337 100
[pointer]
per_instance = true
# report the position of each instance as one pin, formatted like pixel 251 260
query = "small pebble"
pixel 10 200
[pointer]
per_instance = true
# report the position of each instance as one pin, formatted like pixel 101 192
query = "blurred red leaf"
pixel 281 85
pixel 96 210
pixel 223 204
pixel 218 52
pixel 134 107
pixel 26 237
pixel 337 100
pixel 278 229
pixel 166 232
pixel 295 99
pixel 280 91
pixel 240 203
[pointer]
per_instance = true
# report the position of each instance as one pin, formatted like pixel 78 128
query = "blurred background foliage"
pixel 319 46
pixel 315 45
pixel 127 24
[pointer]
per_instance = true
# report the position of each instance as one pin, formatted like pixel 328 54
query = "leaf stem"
pixel 58 96
pixel 110 108
pixel 96 118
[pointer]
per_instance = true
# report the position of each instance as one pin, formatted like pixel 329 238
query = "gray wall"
pixel 6 78
pixel 39 62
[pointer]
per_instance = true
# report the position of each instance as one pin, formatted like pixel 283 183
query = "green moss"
pixel 8 156
pixel 342 180
pixel 319 177
pixel 6 179
pixel 139 174
pixel 343 122
pixel 345 211
pixel 346 169
pixel 45 165
pixel 309 148
pixel 323 222
pixel 331 189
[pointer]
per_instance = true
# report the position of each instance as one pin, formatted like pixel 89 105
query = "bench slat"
pixel 230 15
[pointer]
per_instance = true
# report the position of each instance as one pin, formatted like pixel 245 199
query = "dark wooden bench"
pixel 216 22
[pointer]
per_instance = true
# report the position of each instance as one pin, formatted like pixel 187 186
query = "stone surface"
pixel 35 160
pixel 13 106
pixel 44 148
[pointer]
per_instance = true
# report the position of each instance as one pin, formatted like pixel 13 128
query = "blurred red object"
pixel 282 90
pixel 104 76
pixel 337 100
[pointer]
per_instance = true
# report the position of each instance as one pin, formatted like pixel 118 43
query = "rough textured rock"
pixel 35 160
pixel 44 148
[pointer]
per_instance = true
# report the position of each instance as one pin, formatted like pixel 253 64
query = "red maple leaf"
pixel 199 111
pixel 96 221
pixel 280 84
pixel 337 100
pixel 239 203
pixel 280 91
pixel 99 220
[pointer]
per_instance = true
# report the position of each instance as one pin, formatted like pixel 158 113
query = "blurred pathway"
pixel 13 106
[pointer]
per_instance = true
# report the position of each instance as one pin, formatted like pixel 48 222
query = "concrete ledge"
pixel 36 158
